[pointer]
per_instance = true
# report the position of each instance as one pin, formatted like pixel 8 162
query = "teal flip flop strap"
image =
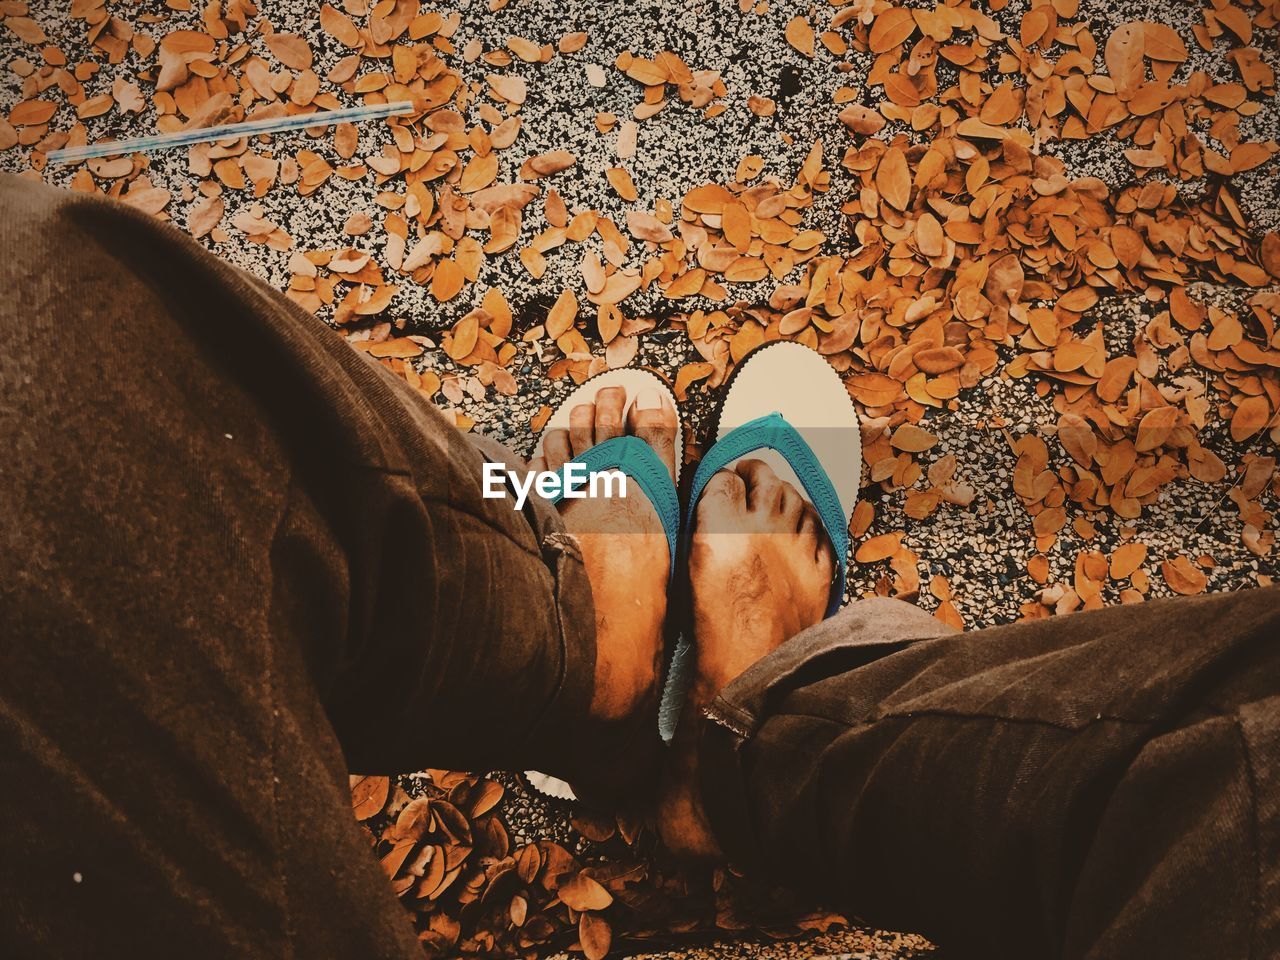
pixel 772 432
pixel 638 461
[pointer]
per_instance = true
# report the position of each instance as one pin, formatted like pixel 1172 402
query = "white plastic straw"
pixel 229 131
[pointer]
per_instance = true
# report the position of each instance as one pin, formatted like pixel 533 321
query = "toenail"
pixel 648 398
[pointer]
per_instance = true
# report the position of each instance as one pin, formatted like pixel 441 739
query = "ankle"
pixel 629 613
pixel 739 639
pixel 682 822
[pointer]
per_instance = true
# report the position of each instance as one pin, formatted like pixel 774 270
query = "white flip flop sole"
pixel 632 380
pixel 550 786
pixel 797 382
pixel 791 380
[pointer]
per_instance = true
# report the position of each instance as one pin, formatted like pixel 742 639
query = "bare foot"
pixel 624 550
pixel 760 569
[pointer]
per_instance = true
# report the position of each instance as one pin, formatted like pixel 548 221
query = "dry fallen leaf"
pixel 1251 415
pixel 595 936
pixel 582 893
pixel 1126 559
pixel 893 179
pixel 878 548
pixel 291 50
pixel 561 316
pixel 32 112
pixel 622 183
pixel 447 281
pixel 204 216
pixel 689 374
pixel 369 795
pixel 912 439
pixel 339 26
pixel 892 27
pixel 544 165
pixel 800 35
pixel 1182 577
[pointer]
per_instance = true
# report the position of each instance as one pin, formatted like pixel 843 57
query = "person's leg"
pixel 239 560
pixel 1098 785
pixel 627 558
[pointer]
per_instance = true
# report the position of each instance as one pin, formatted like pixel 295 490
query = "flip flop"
pixel 786 406
pixel 629 454
pixel 635 458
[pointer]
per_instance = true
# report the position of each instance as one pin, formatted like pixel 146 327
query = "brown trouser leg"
pixel 237 560
pixel 1102 785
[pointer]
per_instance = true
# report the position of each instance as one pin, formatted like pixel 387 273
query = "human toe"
pixel 609 421
pixel 556 449
pixel 582 420
pixel 653 419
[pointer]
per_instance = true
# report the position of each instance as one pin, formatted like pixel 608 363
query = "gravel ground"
pixel 983 549
pixel 839 945
pixel 676 150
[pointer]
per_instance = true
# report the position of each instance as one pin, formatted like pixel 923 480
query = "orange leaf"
pixel 465 335
pixel 1251 416
pixel 1182 577
pixel 31 112
pixel 707 199
pixel 1150 98
pixel 863 514
pixel 912 439
pixel 608 321
pixel 1155 427
pixel 1072 356
pixel 937 360
pixel 689 374
pixel 736 223
pixel 1161 42
pixel 800 35
pixel 622 183
pixel 891 28
pixel 1115 378
pixel 1127 244
pixel 1249 155
pixel 545 164
pixel 478 173
pixel 495 304
pixel 1002 107
pixel 929 236
pixel 1126 559
pixel 687 284
pixel 1078 438
pixel 901 89
pixel 1035 22
pixel 447 280
pixel 369 795
pixel 561 316
pixel 1270 253
pixel 339 26
pixel 1079 299
pixel 878 548
pixel 290 49
pixel 1124 55
pixel 1038 568
pixel 583 893
pixel 595 936
pixel 949 615
pixel 893 179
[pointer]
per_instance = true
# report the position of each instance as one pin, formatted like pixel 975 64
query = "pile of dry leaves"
pixel 447 851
